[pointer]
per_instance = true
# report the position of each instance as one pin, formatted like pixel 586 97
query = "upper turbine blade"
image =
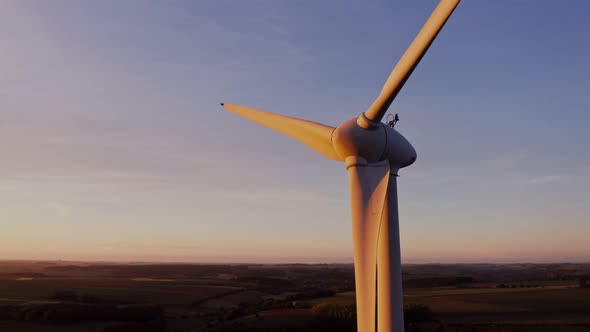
pixel 315 135
pixel 368 189
pixel 408 62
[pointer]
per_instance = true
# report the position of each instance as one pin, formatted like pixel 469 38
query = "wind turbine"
pixel 373 154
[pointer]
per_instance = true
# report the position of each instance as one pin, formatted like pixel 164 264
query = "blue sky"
pixel 114 146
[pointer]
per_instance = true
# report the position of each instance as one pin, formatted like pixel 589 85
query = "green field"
pixel 169 293
pixel 270 298
pixel 494 305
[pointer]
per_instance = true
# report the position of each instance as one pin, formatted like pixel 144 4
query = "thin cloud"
pixel 274 194
pixel 59 208
pixel 549 179
pixel 143 245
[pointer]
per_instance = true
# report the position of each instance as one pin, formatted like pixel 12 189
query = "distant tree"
pixel 417 313
pixel 90 298
pixel 334 317
pixel 65 295
pixel 133 327
pixel 140 312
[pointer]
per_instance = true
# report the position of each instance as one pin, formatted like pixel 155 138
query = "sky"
pixel 114 148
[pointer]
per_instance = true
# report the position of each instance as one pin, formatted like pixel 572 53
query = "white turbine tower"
pixel 373 154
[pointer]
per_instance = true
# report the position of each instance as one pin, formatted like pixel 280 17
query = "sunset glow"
pixel 113 146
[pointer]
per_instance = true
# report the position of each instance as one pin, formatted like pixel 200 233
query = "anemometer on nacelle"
pixel 392 120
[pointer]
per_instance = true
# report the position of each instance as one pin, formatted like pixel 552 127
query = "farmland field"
pixel 47 296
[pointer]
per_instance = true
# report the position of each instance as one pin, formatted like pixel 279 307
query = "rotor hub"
pixel 376 142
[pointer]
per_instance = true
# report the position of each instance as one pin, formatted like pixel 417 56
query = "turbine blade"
pixel 368 188
pixel 408 62
pixel 315 135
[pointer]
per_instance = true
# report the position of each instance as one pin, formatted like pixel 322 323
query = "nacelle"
pixel 376 143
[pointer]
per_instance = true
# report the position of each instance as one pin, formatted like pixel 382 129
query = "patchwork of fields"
pixel 282 297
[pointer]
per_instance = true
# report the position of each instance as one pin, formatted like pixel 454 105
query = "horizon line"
pixel 147 262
